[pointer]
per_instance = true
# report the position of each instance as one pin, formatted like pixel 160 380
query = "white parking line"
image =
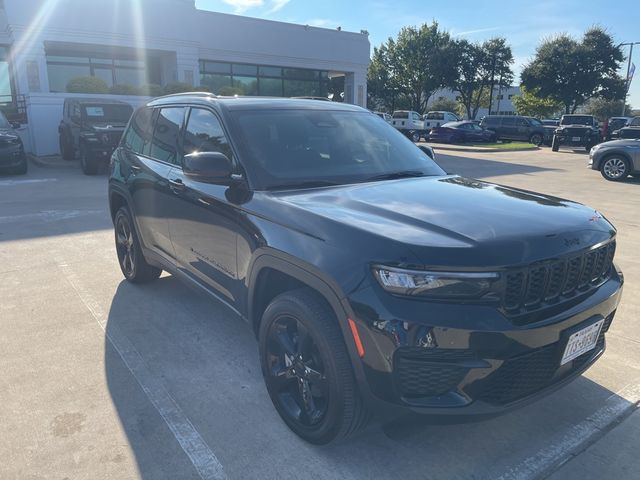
pixel 203 459
pixel 578 438
pixel 13 183
pixel 48 215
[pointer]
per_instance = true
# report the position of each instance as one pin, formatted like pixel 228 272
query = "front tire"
pixel 307 368
pixel 132 262
pixel 615 168
pixel 415 137
pixel 555 144
pixel 88 163
pixel 23 168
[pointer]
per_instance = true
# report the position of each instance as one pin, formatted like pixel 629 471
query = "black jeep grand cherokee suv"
pixel 373 280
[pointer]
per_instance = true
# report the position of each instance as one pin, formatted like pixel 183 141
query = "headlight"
pixel 443 285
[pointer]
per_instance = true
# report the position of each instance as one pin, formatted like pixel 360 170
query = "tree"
pixel 477 67
pixel 444 104
pixel 532 105
pixel 571 72
pixel 601 108
pixel 414 66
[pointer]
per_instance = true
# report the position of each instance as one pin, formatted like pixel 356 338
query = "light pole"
pixel 627 84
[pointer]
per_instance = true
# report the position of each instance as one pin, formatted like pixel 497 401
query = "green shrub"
pixel 124 89
pixel 152 90
pixel 177 87
pixel 87 85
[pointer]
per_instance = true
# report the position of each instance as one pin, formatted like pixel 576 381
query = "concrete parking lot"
pixel 101 379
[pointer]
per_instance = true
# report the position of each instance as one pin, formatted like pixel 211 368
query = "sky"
pixel 523 24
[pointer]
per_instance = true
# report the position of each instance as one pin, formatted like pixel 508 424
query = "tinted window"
pixel 4 123
pixel 106 113
pixel 522 122
pixel 435 116
pixel 635 122
pixel 535 122
pixel 164 145
pixel 288 147
pixel 139 132
pixel 492 121
pixel 508 121
pixel 204 134
pixel 400 114
pixel 415 116
pixel 576 120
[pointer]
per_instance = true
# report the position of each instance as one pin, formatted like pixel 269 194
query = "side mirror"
pixel 211 167
pixel 15 125
pixel 428 151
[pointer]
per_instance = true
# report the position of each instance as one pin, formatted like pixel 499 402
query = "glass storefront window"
pixel 270 87
pixel 5 78
pixel 262 80
pixel 248 85
pixel 59 75
pixel 114 71
pixel 270 72
pixel 245 70
pixel 215 82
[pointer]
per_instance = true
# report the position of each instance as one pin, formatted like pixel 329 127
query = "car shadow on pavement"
pixel 481 168
pixel 174 350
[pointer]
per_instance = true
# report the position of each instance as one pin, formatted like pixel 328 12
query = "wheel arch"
pixel 619 153
pixel 272 273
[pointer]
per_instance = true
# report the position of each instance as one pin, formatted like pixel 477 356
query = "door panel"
pixel 204 224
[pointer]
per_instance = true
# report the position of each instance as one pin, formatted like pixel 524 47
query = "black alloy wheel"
pixel 296 371
pixel 307 368
pixel 132 263
pixel 88 163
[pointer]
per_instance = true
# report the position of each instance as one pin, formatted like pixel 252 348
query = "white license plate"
pixel 575 139
pixel 581 342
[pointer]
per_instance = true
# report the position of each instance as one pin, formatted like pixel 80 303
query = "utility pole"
pixel 628 83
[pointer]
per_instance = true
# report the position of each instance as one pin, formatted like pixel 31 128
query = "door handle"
pixel 176 184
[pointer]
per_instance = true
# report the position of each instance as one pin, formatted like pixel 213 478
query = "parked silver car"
pixel 616 159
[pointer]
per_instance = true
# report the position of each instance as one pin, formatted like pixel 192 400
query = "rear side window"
pixel 400 114
pixel 435 116
pixel 491 121
pixel 138 136
pixel 635 122
pixel 166 133
pixel 204 134
pixel 508 121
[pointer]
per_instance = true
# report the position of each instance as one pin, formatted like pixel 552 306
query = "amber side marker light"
pixel 356 337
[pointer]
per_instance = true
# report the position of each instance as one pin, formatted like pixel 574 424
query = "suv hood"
pixel 472 222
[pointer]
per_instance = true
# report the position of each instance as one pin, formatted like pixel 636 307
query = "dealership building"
pixel 135 44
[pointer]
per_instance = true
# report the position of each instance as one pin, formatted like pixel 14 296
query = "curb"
pixel 438 146
pixel 52 162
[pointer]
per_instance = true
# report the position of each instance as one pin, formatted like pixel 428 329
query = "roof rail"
pixel 191 94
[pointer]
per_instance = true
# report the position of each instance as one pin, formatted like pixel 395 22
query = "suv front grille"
pixel 534 287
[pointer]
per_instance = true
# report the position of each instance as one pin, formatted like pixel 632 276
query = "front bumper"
pixel 469 360
pixel 580 140
pixel 11 155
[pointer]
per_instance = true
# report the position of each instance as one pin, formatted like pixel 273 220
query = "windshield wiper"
pixel 396 175
pixel 308 184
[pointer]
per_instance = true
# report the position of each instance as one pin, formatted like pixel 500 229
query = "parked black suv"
pixel 577 131
pixel 515 127
pixel 630 130
pixel 372 279
pixel 92 129
pixel 12 156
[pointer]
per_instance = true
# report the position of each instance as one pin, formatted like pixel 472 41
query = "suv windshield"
pixel 106 113
pixel 4 123
pixel 577 120
pixel 290 148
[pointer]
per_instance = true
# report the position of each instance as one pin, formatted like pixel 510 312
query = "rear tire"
pixel 88 164
pixel 66 150
pixel 415 137
pixel 130 258
pixel 615 168
pixel 307 368
pixel 536 139
pixel 555 144
pixel 23 168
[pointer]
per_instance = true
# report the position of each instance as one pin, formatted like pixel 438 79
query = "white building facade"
pixel 132 44
pixel 502 103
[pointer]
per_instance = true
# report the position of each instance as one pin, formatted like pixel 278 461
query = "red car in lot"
pixel 461 132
